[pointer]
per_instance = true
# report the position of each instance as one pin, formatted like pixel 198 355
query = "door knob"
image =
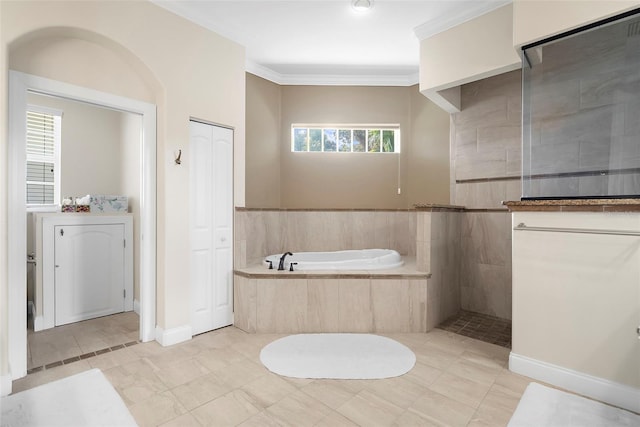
pixel 223 239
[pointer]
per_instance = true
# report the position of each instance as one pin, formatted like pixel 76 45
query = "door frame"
pixel 20 84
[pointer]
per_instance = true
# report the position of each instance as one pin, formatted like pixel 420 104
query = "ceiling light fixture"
pixel 361 5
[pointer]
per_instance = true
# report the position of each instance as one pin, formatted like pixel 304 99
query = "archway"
pixel 20 84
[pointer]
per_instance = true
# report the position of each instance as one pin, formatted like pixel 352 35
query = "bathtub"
pixel 363 259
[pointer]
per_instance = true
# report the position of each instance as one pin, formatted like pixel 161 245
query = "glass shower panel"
pixel 581 114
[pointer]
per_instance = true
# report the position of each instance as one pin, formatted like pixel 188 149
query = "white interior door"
pixel 211 226
pixel 89 271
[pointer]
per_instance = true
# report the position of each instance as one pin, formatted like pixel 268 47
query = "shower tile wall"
pixel 485 271
pixel 263 232
pixel 486 168
pixel 585 113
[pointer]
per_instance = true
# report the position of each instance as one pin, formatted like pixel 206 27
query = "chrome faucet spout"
pixel 282 258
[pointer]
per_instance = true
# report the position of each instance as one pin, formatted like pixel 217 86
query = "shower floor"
pixel 480 326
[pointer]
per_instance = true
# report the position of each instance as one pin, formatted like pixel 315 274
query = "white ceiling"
pixel 328 42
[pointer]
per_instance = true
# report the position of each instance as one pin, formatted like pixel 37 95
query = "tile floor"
pixel 481 327
pixel 69 343
pixel 217 379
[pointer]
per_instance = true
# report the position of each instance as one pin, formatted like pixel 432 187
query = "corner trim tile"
pixel 601 389
pixel 173 336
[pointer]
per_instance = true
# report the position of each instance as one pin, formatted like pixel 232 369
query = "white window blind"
pixel 43 156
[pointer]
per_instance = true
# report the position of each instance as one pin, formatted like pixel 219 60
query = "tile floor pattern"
pixel 481 327
pixel 69 343
pixel 217 379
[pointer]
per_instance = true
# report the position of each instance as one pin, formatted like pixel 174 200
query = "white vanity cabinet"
pixel 576 302
pixel 87 266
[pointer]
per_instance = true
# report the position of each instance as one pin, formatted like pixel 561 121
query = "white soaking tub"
pixel 362 259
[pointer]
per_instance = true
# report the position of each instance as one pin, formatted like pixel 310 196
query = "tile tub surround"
pixel 429 232
pixel 260 232
pixel 269 301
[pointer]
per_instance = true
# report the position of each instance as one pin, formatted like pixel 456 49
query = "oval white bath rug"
pixel 337 356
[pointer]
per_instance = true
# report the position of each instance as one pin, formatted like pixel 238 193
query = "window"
pixel 43 157
pixel 345 139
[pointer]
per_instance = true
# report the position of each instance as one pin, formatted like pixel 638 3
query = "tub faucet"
pixel 281 265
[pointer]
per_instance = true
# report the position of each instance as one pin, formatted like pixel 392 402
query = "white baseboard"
pixel 607 391
pixel 173 336
pixel 136 306
pixel 5 385
pixel 38 323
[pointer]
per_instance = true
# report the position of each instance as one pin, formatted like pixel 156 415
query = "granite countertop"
pixel 436 206
pixel 575 205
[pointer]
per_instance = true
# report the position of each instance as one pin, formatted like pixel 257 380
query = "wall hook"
pixel 178 161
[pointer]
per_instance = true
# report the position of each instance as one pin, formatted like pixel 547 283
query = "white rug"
pixel 337 356
pixel 86 399
pixel 548 407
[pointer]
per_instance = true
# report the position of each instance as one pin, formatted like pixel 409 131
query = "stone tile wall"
pixel 259 233
pixel 438 251
pixel 486 168
pixel 485 268
pixel 585 114
pixel 330 305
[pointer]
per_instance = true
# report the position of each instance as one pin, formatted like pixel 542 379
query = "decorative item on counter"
pixel 102 204
pixel 68 205
pixel 82 204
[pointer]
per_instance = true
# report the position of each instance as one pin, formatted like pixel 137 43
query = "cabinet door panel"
pixel 89 271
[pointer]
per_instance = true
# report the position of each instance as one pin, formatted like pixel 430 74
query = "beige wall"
pixel 428 157
pixel 334 180
pixel 577 299
pixel 90 147
pixel 536 20
pixel 263 139
pixel 474 50
pixel 141 51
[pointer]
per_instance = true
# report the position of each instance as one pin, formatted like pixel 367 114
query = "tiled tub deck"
pixel 383 301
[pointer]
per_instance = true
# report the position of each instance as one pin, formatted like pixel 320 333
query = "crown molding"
pixel 330 79
pixel 433 27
